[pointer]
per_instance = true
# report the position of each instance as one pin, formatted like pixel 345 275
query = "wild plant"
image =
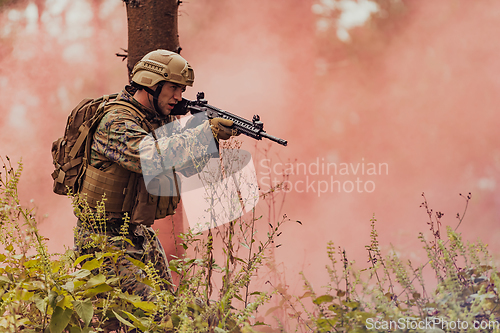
pixel 82 291
pixel 391 294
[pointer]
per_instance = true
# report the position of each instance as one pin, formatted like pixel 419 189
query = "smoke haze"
pixel 413 87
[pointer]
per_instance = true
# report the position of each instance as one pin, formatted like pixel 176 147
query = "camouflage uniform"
pixel 119 135
pixel 119 138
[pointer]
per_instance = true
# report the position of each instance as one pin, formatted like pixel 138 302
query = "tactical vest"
pixel 125 191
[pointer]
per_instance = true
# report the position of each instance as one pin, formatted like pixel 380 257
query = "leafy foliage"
pixel 393 291
pixel 43 292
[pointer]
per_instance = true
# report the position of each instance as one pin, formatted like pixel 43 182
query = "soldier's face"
pixel 171 93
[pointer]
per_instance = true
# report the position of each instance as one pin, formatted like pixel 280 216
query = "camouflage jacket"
pixel 119 138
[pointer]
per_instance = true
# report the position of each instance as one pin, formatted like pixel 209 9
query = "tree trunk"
pixel 152 25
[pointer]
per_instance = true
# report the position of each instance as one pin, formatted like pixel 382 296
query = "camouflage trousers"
pixel 145 247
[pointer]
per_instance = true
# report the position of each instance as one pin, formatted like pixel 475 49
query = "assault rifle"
pixel 253 129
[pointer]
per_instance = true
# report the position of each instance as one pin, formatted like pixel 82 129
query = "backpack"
pixel 71 153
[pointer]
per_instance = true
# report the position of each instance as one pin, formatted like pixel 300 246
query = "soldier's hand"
pixel 221 128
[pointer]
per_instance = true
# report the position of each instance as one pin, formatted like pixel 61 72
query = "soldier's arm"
pixel 187 152
pixel 119 138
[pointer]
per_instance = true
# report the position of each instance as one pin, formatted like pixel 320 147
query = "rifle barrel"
pixel 273 138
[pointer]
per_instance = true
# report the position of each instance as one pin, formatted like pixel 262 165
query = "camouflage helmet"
pixel 162 65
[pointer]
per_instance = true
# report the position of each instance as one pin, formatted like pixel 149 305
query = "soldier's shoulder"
pixel 118 112
pixel 118 119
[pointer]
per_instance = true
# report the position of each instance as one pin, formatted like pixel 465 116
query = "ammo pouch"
pixel 150 207
pixel 113 182
pixel 125 191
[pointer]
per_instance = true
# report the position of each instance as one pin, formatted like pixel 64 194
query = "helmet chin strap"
pixel 155 93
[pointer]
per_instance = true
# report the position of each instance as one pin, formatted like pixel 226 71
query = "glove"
pixel 221 128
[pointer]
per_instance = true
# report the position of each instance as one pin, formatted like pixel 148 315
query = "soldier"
pixel 130 141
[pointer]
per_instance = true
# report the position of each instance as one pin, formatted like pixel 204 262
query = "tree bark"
pixel 152 25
